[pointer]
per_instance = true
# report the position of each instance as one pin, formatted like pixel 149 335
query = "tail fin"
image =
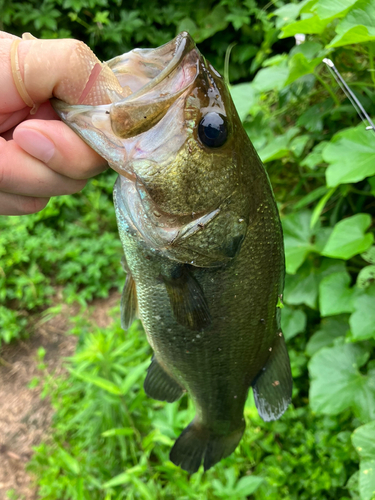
pixel 197 443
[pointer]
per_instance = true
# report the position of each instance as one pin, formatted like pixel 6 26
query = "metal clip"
pixel 349 94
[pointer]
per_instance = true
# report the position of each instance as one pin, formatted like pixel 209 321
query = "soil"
pixel 25 418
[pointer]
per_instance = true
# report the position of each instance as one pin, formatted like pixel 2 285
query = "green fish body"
pixel 202 241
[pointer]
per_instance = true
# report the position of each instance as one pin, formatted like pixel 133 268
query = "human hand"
pixel 40 156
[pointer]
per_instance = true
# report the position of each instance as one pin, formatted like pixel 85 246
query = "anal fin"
pixel 129 303
pixel 273 385
pixel 159 385
pixel 187 299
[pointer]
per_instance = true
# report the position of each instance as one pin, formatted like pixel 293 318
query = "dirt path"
pixel 25 418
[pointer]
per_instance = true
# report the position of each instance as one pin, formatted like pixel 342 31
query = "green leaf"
pixel 358 26
pixel 369 255
pixel 133 376
pixel 303 287
pixel 313 122
pixel 335 296
pixel 103 383
pixel 123 431
pixel 71 463
pixel 366 277
pixel 350 155
pixel 247 485
pixel 125 477
pixel 243 96
pixel 272 78
pixel 348 237
pixel 330 330
pixel 310 25
pixel 362 321
pixel 288 12
pixel 278 147
pixel 363 439
pixel 332 8
pixel 297 145
pixel 297 239
pixel 299 66
pixel 293 321
pixel 337 384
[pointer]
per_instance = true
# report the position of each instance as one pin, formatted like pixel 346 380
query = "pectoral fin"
pixel 159 385
pixel 187 299
pixel 273 385
pixel 129 303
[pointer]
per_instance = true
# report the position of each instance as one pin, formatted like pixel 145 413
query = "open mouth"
pixel 151 79
pixel 142 70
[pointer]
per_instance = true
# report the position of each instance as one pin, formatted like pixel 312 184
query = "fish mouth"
pixel 152 81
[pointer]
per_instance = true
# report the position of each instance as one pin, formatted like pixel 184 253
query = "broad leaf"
pixel 293 321
pixel 351 156
pixel 309 25
pixel 272 78
pixel 247 485
pixel 335 296
pixel 330 330
pixel 348 237
pixel 366 277
pixel 332 8
pixel 243 96
pixel 337 383
pixel 362 321
pixel 369 255
pixel 358 26
pixel 363 440
pixel 278 147
pixel 303 287
pixel 288 13
pixel 300 66
pixel 297 239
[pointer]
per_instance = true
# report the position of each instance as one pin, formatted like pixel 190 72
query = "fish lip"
pixel 182 44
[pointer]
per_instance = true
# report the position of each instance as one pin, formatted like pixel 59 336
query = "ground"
pixel 24 417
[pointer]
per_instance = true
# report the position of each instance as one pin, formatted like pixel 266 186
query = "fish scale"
pixel 202 241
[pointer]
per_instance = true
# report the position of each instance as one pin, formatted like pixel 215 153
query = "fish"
pixel 202 240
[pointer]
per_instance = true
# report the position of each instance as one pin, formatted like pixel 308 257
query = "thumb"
pixel 66 69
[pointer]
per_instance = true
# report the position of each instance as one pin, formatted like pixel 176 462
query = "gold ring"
pixel 18 81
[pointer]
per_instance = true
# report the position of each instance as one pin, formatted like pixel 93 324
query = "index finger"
pixel 66 69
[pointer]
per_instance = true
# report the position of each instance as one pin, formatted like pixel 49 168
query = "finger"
pixel 55 144
pixel 23 174
pixel 4 34
pixel 66 69
pixel 10 120
pixel 12 204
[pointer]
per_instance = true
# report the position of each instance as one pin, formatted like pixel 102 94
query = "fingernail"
pixel 35 143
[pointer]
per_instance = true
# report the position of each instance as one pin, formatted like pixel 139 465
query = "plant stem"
pixel 328 89
pixel 371 59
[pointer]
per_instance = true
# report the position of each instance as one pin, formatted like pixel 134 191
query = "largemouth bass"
pixel 202 241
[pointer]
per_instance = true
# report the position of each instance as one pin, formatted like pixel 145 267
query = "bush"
pixel 109 442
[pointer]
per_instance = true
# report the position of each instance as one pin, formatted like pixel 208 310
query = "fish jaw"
pixel 139 126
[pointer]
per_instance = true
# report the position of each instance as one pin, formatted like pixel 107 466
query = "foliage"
pixel 329 161
pixel 109 441
pixel 112 27
pixel 71 243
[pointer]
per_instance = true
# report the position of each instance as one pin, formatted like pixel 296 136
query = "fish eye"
pixel 212 130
